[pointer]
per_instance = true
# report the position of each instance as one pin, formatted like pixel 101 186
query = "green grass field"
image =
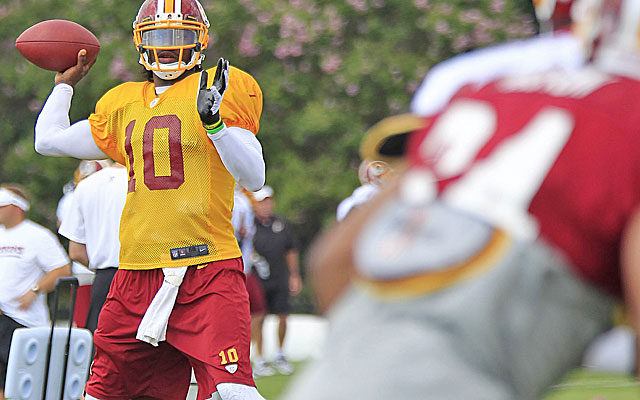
pixel 579 385
pixel 583 384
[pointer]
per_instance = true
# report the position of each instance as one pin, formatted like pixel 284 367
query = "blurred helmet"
pixel 386 140
pixel 163 26
pixel 373 172
pixel 88 167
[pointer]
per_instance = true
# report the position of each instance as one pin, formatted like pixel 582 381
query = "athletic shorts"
pixel 208 330
pixel 7 326
pixel 277 298
pixel 99 292
pixel 257 301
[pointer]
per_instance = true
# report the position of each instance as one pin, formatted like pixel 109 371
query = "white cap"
pixel 7 197
pixel 263 193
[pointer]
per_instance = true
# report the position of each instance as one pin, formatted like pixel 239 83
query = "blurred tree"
pixel 25 87
pixel 328 70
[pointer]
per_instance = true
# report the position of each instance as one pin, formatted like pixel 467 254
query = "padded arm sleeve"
pixel 55 136
pixel 241 153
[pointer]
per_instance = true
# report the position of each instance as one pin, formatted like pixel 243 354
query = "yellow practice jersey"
pixel 180 197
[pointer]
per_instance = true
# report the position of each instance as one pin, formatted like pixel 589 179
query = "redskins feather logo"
pixel 231 368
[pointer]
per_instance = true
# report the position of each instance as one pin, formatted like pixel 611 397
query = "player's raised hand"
pixel 209 99
pixel 73 75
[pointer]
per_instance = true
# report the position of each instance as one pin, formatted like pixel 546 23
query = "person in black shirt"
pixel 276 261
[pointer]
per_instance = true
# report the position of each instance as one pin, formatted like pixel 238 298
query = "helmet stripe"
pixel 160 6
pixel 169 6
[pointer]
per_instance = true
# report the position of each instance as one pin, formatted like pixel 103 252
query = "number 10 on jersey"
pixel 176 160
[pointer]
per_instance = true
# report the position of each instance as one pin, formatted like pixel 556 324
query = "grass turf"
pixel 579 385
pixel 588 385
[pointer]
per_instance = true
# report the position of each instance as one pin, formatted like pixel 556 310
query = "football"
pixel 54 44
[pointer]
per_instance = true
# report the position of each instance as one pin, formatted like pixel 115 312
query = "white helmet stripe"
pixel 204 15
pixel 160 7
pixel 178 7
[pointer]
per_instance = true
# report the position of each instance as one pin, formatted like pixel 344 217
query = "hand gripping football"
pixel 54 44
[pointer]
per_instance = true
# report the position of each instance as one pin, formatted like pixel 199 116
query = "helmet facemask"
pixel 170 36
pixel 374 172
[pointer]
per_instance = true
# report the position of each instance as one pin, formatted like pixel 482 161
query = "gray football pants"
pixel 507 334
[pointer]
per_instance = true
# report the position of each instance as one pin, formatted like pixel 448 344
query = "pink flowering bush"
pixel 331 69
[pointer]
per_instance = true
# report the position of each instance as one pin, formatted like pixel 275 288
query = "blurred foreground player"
pixel 556 47
pixel 498 256
pixel 184 148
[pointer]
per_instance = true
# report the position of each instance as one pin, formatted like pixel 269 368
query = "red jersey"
pixel 553 155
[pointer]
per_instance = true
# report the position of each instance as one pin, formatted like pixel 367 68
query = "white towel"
pixel 153 327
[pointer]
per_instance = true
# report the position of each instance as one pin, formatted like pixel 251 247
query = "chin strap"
pixel 168 75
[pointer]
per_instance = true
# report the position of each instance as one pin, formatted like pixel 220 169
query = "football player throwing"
pixel 186 135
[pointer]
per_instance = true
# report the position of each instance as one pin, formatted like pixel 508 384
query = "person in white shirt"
pixel 31 260
pixel 92 223
pixel 242 219
pixel 84 275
